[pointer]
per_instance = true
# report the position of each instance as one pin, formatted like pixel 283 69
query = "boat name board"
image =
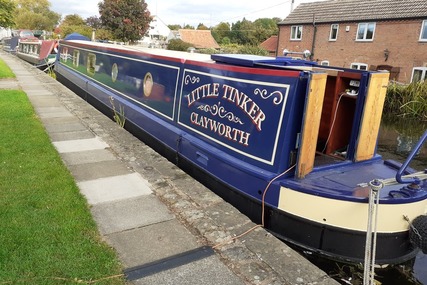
pixel 234 112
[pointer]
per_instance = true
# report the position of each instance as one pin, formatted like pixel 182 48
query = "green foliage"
pixel 208 51
pixel 177 44
pixel 118 115
pixel 409 101
pixel 246 32
pixel 265 28
pixel 221 31
pixel 35 15
pixel 47 233
pixel 81 29
pixel 174 27
pixel 94 22
pixel 201 26
pixel 7 10
pixel 5 71
pixel 188 27
pixel 243 32
pixel 103 34
pixel 128 20
pixel 248 49
pixel 243 49
pixel 73 20
pixel 75 24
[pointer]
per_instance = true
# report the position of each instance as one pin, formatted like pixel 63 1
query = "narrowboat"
pixel 40 53
pixel 290 143
pixel 10 44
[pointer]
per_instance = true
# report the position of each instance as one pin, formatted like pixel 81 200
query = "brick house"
pixel 270 45
pixel 364 34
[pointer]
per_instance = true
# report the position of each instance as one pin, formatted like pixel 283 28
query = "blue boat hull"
pixel 237 129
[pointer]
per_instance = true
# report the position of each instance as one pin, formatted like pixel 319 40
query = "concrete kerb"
pixel 257 258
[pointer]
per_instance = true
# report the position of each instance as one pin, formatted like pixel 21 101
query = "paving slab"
pixel 129 214
pixel 90 156
pixel 114 188
pixel 91 171
pixel 61 128
pixel 209 270
pixel 80 145
pixel 45 101
pixel 41 91
pixel 151 243
pixel 63 136
pixel 53 112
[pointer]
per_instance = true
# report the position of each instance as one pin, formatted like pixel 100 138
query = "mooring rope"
pixel 371 233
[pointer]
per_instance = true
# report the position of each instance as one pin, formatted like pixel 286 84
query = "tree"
pixel 242 32
pixel 129 20
pixel 35 15
pixel 265 28
pixel 74 24
pixel 94 22
pixel 174 27
pixel 188 27
pixel 7 8
pixel 73 20
pixel 201 26
pixel 221 31
pixel 178 44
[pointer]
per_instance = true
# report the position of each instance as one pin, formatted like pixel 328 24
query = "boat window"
pixel 76 58
pixel 91 63
pixel 114 72
pixel 64 54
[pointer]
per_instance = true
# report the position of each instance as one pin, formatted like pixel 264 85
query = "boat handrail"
pixel 413 179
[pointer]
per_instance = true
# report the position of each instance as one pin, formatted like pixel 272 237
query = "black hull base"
pixel 330 242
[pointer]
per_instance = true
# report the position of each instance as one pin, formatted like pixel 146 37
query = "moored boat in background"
pixel 289 143
pixel 40 53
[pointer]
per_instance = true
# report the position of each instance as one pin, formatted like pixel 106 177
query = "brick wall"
pixel 400 38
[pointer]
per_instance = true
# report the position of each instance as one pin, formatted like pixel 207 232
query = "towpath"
pixel 162 223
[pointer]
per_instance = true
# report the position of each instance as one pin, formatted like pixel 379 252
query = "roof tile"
pixel 356 10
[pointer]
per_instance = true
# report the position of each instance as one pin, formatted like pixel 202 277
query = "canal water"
pixel 397 138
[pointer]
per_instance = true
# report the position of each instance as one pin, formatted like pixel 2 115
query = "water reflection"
pixel 396 140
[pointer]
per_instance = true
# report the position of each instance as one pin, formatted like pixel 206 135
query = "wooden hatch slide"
pixel 371 117
pixel 311 123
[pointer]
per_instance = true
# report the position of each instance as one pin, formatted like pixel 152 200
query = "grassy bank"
pixel 5 71
pixel 47 235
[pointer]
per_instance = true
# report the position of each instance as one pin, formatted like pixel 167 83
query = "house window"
pixel 419 74
pixel 334 32
pixel 358 65
pixel 423 34
pixel 365 32
pixel 324 63
pixel 296 32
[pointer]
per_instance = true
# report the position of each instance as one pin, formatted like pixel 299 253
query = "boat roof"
pixel 159 52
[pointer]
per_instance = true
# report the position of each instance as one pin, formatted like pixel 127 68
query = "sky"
pixel 191 12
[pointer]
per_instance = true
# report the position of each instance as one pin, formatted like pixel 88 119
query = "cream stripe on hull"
pixel 346 214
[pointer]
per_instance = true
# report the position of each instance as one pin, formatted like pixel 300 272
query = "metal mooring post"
pixel 371 233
